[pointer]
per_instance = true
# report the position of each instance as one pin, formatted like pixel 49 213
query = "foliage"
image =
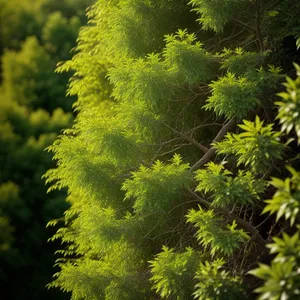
pixel 59 33
pixel 24 19
pixel 227 94
pixel 28 18
pixel 25 134
pixel 241 62
pixel 286 189
pixel 257 147
pixel 289 107
pixel 227 190
pixel 22 71
pixel 173 273
pixel 153 211
pixel 215 283
pixel 281 278
pixel 215 14
pixel 236 96
pixel 210 232
pixel 188 58
pixel 157 189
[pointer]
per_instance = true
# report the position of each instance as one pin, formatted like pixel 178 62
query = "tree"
pixel 18 19
pixel 175 152
pixel 23 212
pixel 28 77
pixel 22 18
pixel 59 42
pixel 33 110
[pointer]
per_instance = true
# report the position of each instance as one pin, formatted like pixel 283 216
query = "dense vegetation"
pixel 182 164
pixel 34 37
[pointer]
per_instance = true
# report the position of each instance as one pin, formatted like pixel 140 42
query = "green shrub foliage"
pixel 176 154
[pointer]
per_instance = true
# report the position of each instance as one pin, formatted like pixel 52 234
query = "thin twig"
pixel 192 141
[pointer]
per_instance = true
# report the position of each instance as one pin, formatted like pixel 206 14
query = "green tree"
pixel 24 209
pixel 34 37
pixel 22 18
pixel 29 79
pixel 59 34
pixel 169 163
pixel 18 19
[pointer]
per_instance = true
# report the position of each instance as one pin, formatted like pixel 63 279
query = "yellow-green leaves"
pixel 286 200
pixel 232 96
pixel 257 147
pixel 282 280
pixel 240 62
pixel 143 81
pixel 289 106
pixel 157 188
pixel 286 248
pixel 172 273
pixel 186 56
pixel 240 90
pixel 215 14
pixel 158 79
pixel 210 232
pixel 226 189
pixel 215 283
pixel 282 277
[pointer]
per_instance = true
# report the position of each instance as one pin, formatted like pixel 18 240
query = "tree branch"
pixel 243 24
pixel 209 154
pixel 201 200
pixel 247 227
pixel 242 223
pixel 192 141
pixel 257 26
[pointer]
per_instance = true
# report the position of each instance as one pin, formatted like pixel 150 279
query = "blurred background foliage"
pixel 34 37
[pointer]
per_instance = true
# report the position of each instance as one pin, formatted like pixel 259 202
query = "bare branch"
pixel 192 141
pixel 224 130
pixel 244 24
pixel 258 26
pixel 247 227
pixel 201 200
pixel 174 149
pixel 208 155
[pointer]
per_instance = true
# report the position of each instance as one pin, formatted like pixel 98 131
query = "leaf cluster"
pixel 173 273
pixel 289 106
pixel 210 232
pixel 215 14
pixel 286 200
pixel 157 189
pixel 257 147
pixel 282 277
pixel 227 190
pixel 213 282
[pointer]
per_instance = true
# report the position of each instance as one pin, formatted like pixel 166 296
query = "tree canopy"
pixel 182 164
